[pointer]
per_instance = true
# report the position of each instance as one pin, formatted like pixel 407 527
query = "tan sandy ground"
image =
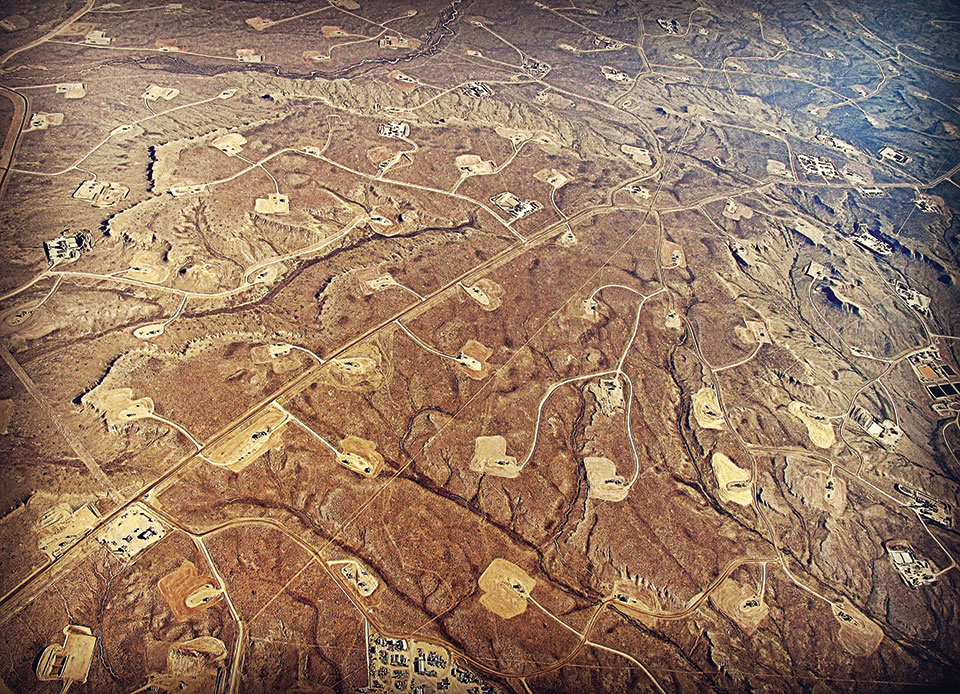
pixel 706 409
pixel 485 292
pixel 819 428
pixel 736 211
pixel 759 331
pixel 808 230
pixel 473 165
pixel 589 309
pixel 60 525
pixel 360 579
pixel 186 592
pixel 567 239
pixel 672 322
pixel 672 254
pixel 609 395
pixel 385 220
pixel 146 267
pixel 603 480
pixel 192 666
pixel 505 588
pixel 274 203
pixel 231 143
pixel 734 481
pixel 778 168
pixel 740 603
pixel 546 141
pixel 259 23
pixel 638 154
pixel 635 599
pixel 360 456
pixel 118 405
pixel 857 634
pixel 358 370
pixel 245 444
pixel 815 487
pixel 273 355
pixel 490 458
pixel 22 324
pixel 479 352
pixel 553 178
pixel 373 280
pixel 123 537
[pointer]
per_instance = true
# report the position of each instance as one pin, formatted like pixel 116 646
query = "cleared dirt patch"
pixel 359 370
pixel 637 599
pixel 740 603
pixel 118 405
pixel 609 395
pixel 146 267
pixel 360 456
pixel 734 481
pixel 485 292
pixel 490 458
pixel 736 211
pixel 706 409
pixel 603 480
pixel 505 588
pixel 819 428
pixel 245 444
pixel 858 635
pixel 187 592
pixel 473 360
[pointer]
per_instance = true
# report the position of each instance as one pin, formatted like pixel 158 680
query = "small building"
pixel 274 203
pixel 872 243
pixel 71 661
pixel 477 89
pixel 97 38
pixel 132 532
pixel 515 206
pixel 71 90
pixel 63 249
pixel 395 42
pixel 88 190
pixel 248 55
pixel 393 129
pixel 230 144
pixel 155 92
pixel 914 570
pixel 890 154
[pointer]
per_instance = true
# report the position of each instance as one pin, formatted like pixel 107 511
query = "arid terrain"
pixel 479 347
